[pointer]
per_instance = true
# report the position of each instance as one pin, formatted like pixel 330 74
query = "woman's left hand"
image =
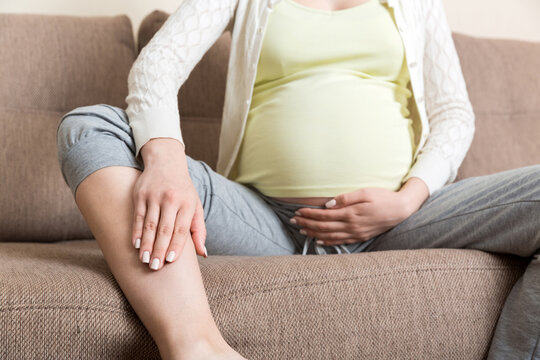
pixel 357 216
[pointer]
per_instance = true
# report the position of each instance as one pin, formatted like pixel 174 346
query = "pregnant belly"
pixel 326 163
pixel 307 147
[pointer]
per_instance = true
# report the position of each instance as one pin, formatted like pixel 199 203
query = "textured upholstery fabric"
pixel 504 88
pixel 35 203
pixel 57 63
pixel 48 66
pixel 61 299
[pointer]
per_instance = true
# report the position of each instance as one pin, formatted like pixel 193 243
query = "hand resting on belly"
pixel 305 200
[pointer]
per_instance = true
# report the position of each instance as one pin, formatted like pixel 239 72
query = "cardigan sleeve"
pixel 449 110
pixel 165 63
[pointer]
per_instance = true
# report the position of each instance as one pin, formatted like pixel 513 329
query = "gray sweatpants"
pixel 497 213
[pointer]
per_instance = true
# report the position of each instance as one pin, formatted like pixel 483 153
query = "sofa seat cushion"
pixel 61 298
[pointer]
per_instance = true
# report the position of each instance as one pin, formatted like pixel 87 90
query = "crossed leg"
pixel 497 213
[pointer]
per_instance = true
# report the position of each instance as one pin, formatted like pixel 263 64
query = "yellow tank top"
pixel 329 107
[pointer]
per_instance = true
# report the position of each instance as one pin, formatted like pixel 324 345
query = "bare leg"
pixel 171 302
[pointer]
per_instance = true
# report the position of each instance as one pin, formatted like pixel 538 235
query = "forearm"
pixel 447 105
pixel 165 63
pixel 415 192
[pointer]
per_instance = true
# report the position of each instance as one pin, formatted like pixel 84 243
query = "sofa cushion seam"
pixel 24 307
pixel 324 282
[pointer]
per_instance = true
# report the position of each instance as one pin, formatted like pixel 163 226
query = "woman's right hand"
pixel 167 208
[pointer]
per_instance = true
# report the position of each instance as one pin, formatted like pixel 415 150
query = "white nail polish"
pixel 330 203
pixel 155 264
pixel 146 257
pixel 137 243
pixel 170 257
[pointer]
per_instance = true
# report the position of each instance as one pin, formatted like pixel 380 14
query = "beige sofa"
pixel 58 299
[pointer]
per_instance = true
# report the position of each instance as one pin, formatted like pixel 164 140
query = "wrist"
pixel 163 149
pixel 414 193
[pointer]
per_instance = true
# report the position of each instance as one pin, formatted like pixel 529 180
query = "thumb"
pixel 198 230
pixel 346 199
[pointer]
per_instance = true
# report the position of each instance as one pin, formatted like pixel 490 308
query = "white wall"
pixel 513 19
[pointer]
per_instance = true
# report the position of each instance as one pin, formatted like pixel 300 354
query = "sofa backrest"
pixel 50 65
pixel 504 88
pixel 501 77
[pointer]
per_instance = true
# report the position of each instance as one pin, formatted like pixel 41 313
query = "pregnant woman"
pixel 344 125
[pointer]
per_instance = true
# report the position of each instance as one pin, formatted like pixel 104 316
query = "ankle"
pixel 173 340
pixel 200 348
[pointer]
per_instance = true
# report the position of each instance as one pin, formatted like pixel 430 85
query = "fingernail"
pixel 205 252
pixel 319 242
pixel 137 243
pixel 146 257
pixel 330 203
pixel 303 232
pixel 155 264
pixel 293 221
pixel 298 213
pixel 170 257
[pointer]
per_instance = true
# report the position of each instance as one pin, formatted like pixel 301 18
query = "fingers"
pixel 198 230
pixel 164 233
pixel 326 232
pixel 138 222
pixel 181 232
pixel 336 238
pixel 325 214
pixel 161 228
pixel 330 238
pixel 150 225
pixel 322 226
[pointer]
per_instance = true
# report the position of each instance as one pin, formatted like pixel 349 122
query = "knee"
pixel 92 137
pixel 530 171
pixel 531 180
pixel 536 170
pixel 84 122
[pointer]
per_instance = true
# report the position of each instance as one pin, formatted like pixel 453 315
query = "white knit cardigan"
pixel 443 120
